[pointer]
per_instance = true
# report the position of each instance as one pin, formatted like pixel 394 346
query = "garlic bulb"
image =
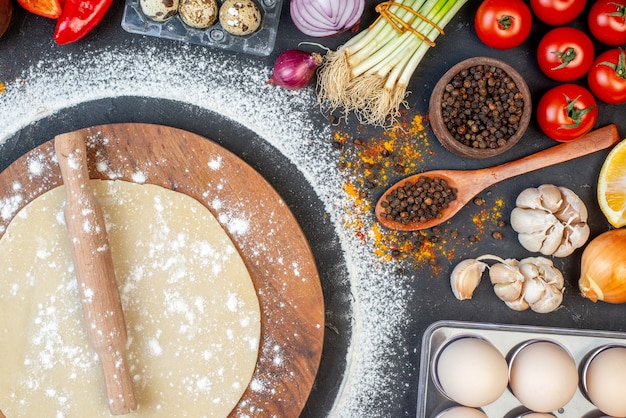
pixel 465 278
pixel 532 283
pixel 603 268
pixel 550 220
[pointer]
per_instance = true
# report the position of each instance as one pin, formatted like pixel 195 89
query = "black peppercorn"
pixel 419 201
pixel 482 107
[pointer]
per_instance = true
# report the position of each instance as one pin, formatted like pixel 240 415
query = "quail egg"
pixel 198 13
pixel 240 17
pixel 159 10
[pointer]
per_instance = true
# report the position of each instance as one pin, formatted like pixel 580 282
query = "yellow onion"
pixel 603 268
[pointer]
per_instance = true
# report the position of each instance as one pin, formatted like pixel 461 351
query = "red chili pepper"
pixel 78 18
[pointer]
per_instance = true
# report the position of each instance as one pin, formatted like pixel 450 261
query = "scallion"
pixel 369 75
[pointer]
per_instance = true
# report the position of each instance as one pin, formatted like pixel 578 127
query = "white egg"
pixel 240 17
pixel 461 412
pixel 471 371
pixel 198 13
pixel 605 380
pixel 543 376
pixel 159 10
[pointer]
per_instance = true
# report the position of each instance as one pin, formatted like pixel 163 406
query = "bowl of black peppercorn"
pixel 480 108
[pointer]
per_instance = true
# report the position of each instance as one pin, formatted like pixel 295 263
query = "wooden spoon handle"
pixel 93 264
pixel 596 140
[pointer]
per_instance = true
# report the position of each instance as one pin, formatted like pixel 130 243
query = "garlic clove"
pixel 534 290
pixel 574 237
pixel 528 269
pixel 508 292
pixel 551 300
pixel 549 273
pixel 551 197
pixel 465 278
pixel 554 278
pixel 578 234
pixel 505 273
pixel 574 211
pixel 531 241
pixel 554 237
pixel 529 199
pixel 532 220
pixel 518 305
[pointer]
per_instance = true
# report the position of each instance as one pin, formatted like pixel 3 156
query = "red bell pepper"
pixel 78 18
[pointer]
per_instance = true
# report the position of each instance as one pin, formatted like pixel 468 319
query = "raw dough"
pixel 191 309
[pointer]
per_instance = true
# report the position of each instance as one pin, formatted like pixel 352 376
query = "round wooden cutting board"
pixel 260 224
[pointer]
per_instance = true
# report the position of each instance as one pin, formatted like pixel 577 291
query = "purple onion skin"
pixel 294 69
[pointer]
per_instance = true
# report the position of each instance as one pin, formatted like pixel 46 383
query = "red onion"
pixel 322 18
pixel 294 69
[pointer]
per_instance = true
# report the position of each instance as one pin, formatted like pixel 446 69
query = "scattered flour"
pixel 281 118
pixel 139 177
pixel 215 164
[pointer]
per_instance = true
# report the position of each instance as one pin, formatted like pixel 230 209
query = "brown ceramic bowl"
pixel 437 118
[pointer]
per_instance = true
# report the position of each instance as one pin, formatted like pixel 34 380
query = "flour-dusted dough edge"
pixel 190 305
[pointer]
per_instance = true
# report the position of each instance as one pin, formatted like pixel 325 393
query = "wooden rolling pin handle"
pixel 95 273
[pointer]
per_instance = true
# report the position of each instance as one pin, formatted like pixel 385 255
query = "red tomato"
pixel 607 21
pixel 565 54
pixel 607 77
pixel 566 112
pixel 502 24
pixel 45 8
pixel 557 12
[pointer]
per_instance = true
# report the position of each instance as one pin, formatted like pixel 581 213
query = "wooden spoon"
pixel 93 264
pixel 471 182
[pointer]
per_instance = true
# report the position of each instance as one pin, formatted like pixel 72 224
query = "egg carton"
pixel 506 338
pixel 259 43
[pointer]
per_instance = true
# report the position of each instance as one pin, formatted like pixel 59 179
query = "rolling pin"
pixel 93 264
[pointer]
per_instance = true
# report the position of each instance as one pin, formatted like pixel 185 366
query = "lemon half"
pixel 612 186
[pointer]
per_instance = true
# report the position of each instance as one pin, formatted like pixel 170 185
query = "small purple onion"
pixel 294 69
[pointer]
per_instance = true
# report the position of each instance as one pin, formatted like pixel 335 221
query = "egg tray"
pixel 506 338
pixel 259 43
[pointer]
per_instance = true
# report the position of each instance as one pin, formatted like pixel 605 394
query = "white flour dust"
pixel 205 78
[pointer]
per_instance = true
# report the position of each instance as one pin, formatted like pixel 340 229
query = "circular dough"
pixel 191 310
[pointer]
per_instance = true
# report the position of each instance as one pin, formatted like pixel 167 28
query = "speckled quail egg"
pixel 240 17
pixel 159 10
pixel 198 13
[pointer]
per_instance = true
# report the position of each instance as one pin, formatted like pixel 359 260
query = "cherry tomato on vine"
pixel 557 12
pixel 502 24
pixel 607 77
pixel 565 54
pixel 566 112
pixel 607 21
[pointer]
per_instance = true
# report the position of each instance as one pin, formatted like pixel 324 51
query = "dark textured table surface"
pixel 422 289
